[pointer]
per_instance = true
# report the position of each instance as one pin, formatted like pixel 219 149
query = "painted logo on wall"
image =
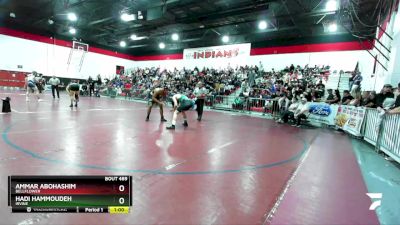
pixel 218 52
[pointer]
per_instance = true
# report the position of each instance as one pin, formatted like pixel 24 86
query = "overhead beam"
pixel 145 29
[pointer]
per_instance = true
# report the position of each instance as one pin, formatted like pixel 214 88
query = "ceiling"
pixel 198 22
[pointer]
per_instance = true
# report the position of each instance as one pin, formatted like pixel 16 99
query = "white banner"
pixel 350 119
pixel 323 113
pixel 218 52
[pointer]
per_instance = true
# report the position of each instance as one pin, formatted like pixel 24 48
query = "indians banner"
pixel 218 52
pixel 322 113
pixel 350 119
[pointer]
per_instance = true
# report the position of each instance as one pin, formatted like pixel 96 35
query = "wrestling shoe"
pixel 185 124
pixel 163 120
pixel 172 127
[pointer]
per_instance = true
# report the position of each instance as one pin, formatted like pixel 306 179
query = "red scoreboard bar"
pixel 70 194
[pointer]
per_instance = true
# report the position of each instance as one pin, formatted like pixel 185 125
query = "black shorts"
pixel 39 86
pixel 185 105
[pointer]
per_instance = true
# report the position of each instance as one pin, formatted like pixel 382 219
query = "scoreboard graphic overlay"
pixel 70 194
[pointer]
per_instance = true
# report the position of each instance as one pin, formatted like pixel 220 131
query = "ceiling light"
pixel 12 15
pixel 127 17
pixel 262 25
pixel 331 5
pixel 72 30
pixel 122 44
pixel 161 45
pixel 72 17
pixel 134 37
pixel 50 21
pixel 175 37
pixel 332 27
pixel 225 38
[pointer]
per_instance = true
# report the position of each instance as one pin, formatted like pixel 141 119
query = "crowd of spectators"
pixel 218 82
pixel 290 82
pixel 293 82
pixel 387 98
pixel 252 81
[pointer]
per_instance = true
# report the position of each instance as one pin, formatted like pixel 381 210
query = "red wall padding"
pixel 12 78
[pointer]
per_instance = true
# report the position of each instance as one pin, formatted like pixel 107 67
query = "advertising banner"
pixel 322 113
pixel 350 119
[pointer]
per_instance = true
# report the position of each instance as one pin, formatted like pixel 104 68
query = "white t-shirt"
pixel 303 107
pixel 199 92
pixel 54 81
pixel 293 107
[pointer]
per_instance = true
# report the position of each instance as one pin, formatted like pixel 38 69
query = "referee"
pixel 200 92
pixel 54 82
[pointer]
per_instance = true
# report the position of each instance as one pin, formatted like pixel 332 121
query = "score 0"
pixel 121 188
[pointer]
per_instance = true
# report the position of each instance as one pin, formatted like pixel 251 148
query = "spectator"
pixel 396 109
pixel 364 98
pixel 315 96
pixel 397 92
pixel 302 111
pixel 357 100
pixel 307 95
pixel 237 103
pixel 357 81
pixel 320 85
pixel 385 93
pixel 291 68
pixel 371 100
pixel 385 100
pixel 351 80
pixel 290 112
pixel 283 101
pixel 127 89
pixel 336 98
pixel 330 96
pixel 346 97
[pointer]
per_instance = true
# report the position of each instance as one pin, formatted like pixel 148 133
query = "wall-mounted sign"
pixel 218 52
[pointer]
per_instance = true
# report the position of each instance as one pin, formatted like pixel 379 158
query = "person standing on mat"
pixel 73 91
pixel 54 82
pixel 181 104
pixel 157 95
pixel 30 86
pixel 91 83
pixel 40 83
pixel 200 92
